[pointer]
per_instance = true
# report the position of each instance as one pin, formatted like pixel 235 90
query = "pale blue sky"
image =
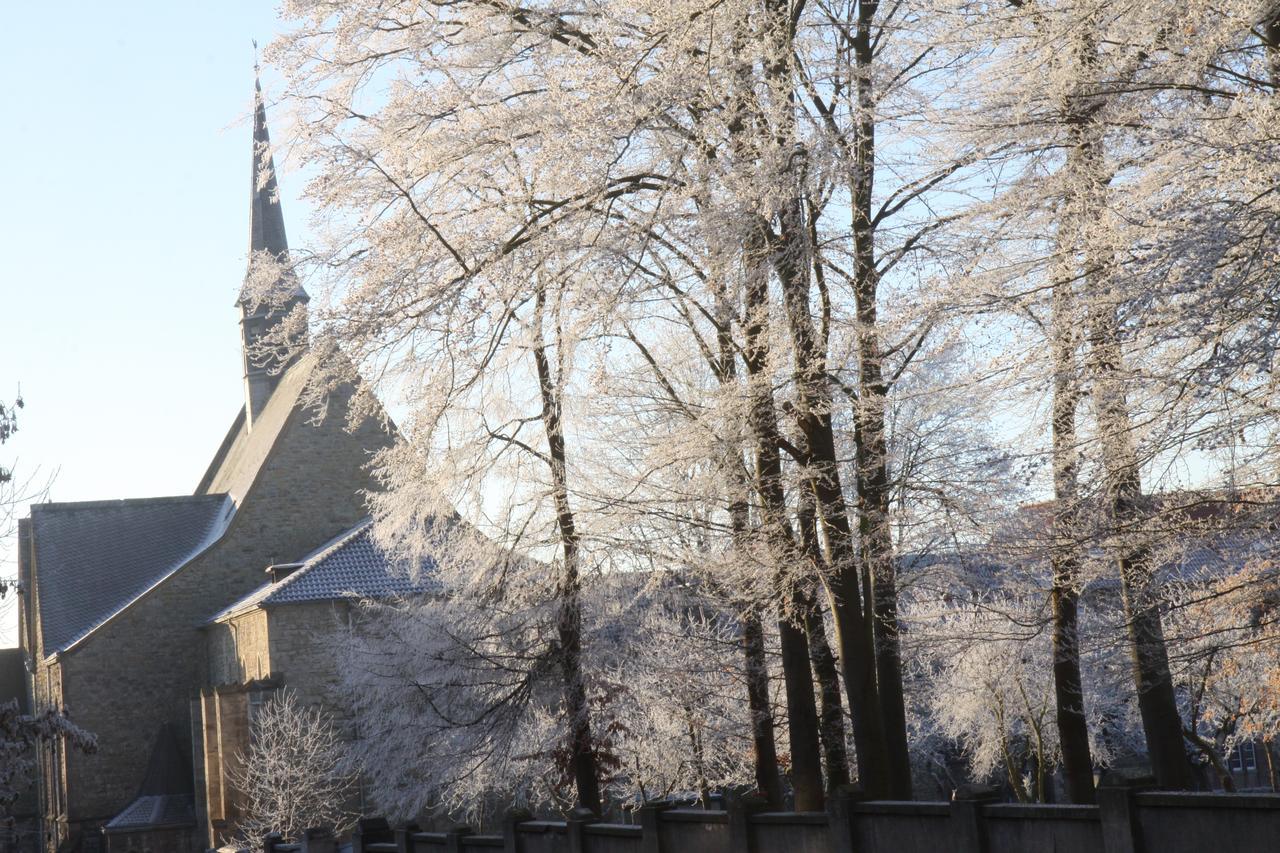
pixel 123 237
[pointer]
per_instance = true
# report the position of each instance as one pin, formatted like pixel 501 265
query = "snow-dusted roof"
pixel 352 565
pixel 95 558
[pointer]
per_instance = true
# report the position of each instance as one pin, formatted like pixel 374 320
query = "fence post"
pixel 840 817
pixel 967 829
pixel 453 838
pixel 650 832
pixel 511 829
pixel 740 808
pixel 578 819
pixel 1121 831
pixel 404 838
pixel 270 841
pixel 317 839
pixel 369 830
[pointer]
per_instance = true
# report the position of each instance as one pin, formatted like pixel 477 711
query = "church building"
pixel 136 615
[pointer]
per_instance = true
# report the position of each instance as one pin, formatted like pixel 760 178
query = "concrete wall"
pixel 1127 820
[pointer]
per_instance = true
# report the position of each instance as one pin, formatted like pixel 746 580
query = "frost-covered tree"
pixel 292 778
pixel 620 173
pixel 21 736
pixel 763 296
pixel 457 707
pixel 1223 642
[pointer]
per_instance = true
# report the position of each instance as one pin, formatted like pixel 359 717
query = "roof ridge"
pixel 121 502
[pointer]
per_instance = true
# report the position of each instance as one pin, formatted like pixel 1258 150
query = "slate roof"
pixel 94 558
pixel 352 565
pixel 266 219
pixel 1217 557
pixel 1186 558
pixel 166 797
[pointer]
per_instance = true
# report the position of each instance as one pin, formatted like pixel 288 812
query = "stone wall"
pixel 1127 820
pixel 301 651
pixel 238 650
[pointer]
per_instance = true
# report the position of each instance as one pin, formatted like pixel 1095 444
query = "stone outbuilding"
pixel 280 636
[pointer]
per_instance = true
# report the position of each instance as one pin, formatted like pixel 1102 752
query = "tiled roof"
pixel 352 565
pixel 94 558
pixel 1214 558
pixel 154 812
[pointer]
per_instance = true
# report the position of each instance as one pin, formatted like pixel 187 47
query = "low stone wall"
pixel 1127 819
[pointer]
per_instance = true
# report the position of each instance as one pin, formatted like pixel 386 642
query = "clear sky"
pixel 124 229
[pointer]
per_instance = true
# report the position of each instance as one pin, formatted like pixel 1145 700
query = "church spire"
pixel 266 219
pixel 266 352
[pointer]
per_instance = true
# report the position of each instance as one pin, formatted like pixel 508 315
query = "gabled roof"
pixel 352 565
pixel 95 558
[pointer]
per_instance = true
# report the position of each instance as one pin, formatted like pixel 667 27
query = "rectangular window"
pixel 1244 757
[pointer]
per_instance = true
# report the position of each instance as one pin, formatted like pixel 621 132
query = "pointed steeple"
pixel 266 219
pixel 261 312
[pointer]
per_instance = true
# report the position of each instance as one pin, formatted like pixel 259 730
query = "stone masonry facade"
pixel 140 669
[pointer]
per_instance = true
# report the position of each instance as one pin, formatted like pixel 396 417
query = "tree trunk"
pixel 755 666
pixel 831 711
pixel 813 418
pixel 1161 722
pixel 1073 729
pixel 1214 757
pixel 1268 750
pixel 791 262
pixel 872 462
pixel 765 749
pixel 802 713
pixel 582 757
